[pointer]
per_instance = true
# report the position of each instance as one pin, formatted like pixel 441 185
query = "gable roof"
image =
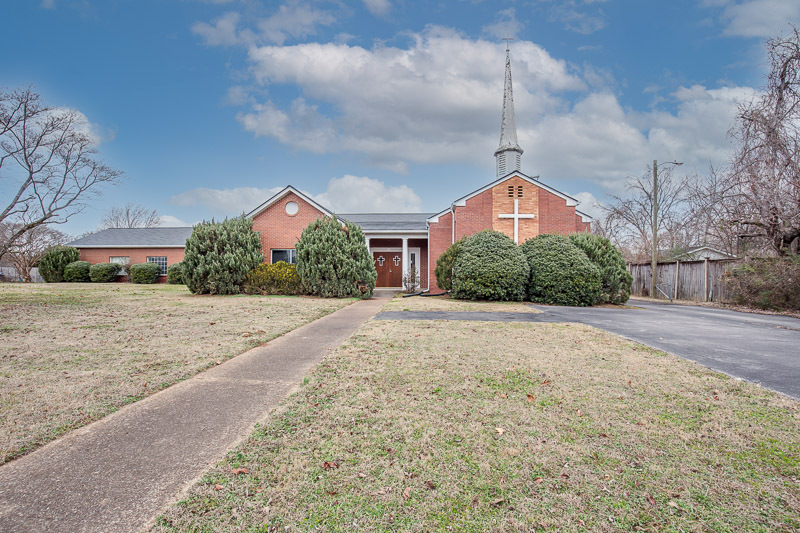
pixel 280 194
pixel 533 180
pixel 378 222
pixel 135 238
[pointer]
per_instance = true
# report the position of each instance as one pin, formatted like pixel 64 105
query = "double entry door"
pixel 390 268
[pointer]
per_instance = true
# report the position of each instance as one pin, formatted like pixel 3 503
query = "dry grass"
pixel 72 353
pixel 445 303
pixel 475 426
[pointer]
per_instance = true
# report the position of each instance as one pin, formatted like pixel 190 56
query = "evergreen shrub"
pixel 77 272
pixel 333 260
pixel 144 273
pixel 175 274
pixel 444 266
pixel 104 272
pixel 615 280
pixel 55 260
pixel 560 273
pixel 276 278
pixel 219 255
pixel 489 266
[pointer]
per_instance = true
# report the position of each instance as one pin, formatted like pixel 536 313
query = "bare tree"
pixel 47 161
pixel 131 216
pixel 30 247
pixel 628 220
pixel 760 195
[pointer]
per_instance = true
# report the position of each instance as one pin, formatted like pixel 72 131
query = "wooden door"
pixel 389 266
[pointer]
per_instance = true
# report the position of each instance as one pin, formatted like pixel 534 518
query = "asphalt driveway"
pixel 761 348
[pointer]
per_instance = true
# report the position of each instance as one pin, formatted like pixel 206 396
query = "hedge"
pixel 77 272
pixel 276 278
pixel 615 279
pixel 104 272
pixel 175 274
pixel 55 260
pixel 560 273
pixel 766 283
pixel 444 266
pixel 489 266
pixel 144 273
pixel 333 260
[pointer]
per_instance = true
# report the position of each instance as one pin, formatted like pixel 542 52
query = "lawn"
pixel 445 303
pixel 476 426
pixel 72 353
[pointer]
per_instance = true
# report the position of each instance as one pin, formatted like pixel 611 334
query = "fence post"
pixel 705 283
pixel 675 289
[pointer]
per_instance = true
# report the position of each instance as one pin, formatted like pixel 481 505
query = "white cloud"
pixel 505 25
pixel 169 221
pixel 589 204
pixel 580 16
pixel 222 33
pixel 757 18
pixel 294 19
pixel 348 194
pixel 378 7
pixel 354 194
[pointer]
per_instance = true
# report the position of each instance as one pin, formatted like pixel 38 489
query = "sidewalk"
pixel 118 473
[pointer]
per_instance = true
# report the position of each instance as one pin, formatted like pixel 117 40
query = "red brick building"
pixel 516 204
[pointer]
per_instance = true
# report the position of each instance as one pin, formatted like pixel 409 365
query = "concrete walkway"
pixel 120 472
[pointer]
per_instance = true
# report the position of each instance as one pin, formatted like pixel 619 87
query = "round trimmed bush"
pixel 275 278
pixel 145 272
pixel 175 274
pixel 615 279
pixel 220 254
pixel 333 260
pixel 55 260
pixel 560 273
pixel 104 272
pixel 489 266
pixel 77 272
pixel 444 266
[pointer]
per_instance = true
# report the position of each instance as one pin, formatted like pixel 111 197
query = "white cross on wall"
pixel 516 216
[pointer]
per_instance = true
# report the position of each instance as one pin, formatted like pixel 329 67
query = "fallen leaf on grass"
pixel 238 471
pixel 327 465
pixel 673 504
pixel 498 503
pixel 407 493
pixel 499 431
pixel 538 480
pixel 332 492
pixel 531 398
pixel 362 474
pixel 650 498
pixel 430 485
pixel 218 487
pixel 565 476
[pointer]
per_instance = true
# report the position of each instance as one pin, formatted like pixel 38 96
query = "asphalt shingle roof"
pixel 123 237
pixel 389 221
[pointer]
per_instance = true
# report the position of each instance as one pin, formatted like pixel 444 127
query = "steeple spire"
pixel 508 154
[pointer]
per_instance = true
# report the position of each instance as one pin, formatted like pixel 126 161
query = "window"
pixel 289 256
pixel 160 261
pixel 120 259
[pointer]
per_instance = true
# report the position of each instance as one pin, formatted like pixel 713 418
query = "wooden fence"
pixel 700 281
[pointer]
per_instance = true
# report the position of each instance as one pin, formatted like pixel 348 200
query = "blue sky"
pixel 386 105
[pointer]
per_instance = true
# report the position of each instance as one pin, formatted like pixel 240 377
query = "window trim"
pixel 112 257
pixel 292 255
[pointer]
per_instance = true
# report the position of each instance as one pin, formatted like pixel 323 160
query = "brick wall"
pixel 278 229
pixel 136 255
pixel 502 203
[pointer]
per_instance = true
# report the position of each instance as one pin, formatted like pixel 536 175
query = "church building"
pixel 516 204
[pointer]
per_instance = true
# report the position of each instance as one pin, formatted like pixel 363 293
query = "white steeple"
pixel 508 154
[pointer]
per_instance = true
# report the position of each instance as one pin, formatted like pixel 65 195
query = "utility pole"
pixel 654 253
pixel 654 247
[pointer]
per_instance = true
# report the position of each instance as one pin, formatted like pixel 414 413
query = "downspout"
pixel 453 223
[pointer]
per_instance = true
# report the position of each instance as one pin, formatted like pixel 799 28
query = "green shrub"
pixel 561 274
pixel 444 266
pixel 104 272
pixel 55 260
pixel 175 274
pixel 333 260
pixel 219 255
pixel 276 278
pixel 77 272
pixel 144 273
pixel 615 280
pixel 489 266
pixel 766 283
